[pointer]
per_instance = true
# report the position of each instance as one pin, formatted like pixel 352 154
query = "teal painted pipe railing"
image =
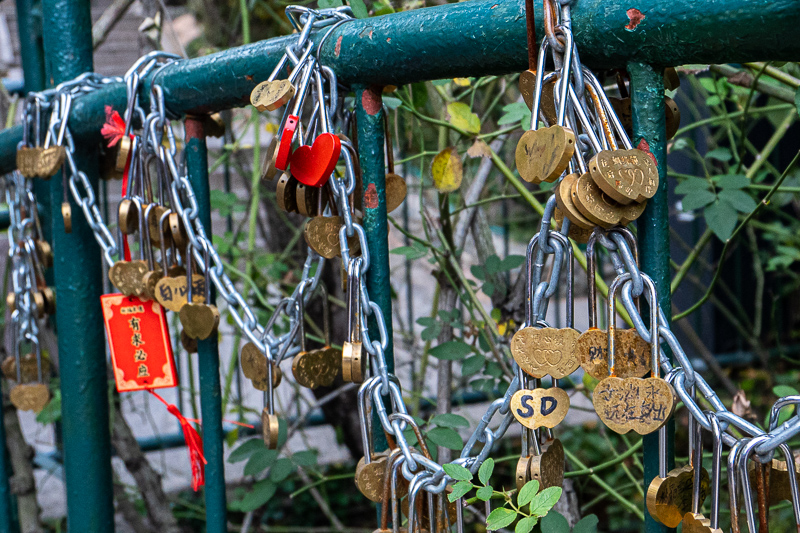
pixel 468 39
pixel 208 350
pixel 649 134
pixel 371 155
pixel 78 280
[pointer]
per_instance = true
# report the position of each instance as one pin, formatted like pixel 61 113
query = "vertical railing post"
pixel 649 134
pixel 371 154
pixel 31 47
pixel 29 24
pixel 208 350
pixel 67 31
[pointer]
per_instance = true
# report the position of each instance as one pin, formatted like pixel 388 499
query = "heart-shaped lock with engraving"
pixel 625 175
pixel 546 351
pixel 270 95
pixel 49 161
pixel 313 165
pixel 543 154
pixel 540 407
pixel 128 276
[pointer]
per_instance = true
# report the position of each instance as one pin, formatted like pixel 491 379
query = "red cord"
pixel 193 443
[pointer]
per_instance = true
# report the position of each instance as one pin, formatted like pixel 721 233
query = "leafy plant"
pixel 531 503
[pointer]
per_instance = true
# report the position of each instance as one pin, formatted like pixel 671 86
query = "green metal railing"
pixel 474 38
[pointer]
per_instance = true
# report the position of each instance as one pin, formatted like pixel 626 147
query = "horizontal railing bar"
pixel 474 38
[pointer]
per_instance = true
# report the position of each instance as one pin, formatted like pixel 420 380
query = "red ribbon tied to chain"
pixel 193 443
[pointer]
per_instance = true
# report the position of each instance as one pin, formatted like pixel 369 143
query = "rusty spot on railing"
pixel 338 49
pixel 635 16
pixel 371 100
pixel 644 146
pixel 371 197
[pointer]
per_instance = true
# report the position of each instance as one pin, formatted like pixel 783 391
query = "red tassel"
pixel 193 443
pixel 114 128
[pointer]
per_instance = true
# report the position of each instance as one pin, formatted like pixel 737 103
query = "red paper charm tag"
pixel 139 341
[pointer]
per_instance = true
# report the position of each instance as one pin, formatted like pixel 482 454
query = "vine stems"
pixel 761 204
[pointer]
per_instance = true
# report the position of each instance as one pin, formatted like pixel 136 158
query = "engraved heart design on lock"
pixel 317 368
pixel 540 407
pixel 546 351
pixel 313 165
pixel 171 292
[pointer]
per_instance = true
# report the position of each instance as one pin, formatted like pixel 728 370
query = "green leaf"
pixel 493 264
pixel 359 9
pixel 554 522
pixel 526 524
pixel 415 251
pixel 459 490
pixel 784 390
pixel 485 493
pixel 325 4
pixel 721 218
pixel 462 117
pixel 305 458
pixel 260 461
pixel 262 492
pixel 391 102
pixel 587 524
pixel 52 411
pixel 447 437
pixel 511 262
pixel 472 365
pixel 720 154
pixel 732 181
pixel 449 420
pixel 485 471
pixel 545 500
pixel 281 470
pixel 696 200
pixel 691 185
pixel 488 288
pixel 426 321
pixel 478 271
pixel 797 100
pixel 451 350
pixel 739 200
pixel 245 450
pixel 527 492
pixel 500 518
pixel 457 472
pixel 514 112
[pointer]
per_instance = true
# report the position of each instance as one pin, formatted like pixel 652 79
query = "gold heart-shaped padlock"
pixel 30 396
pixel 546 351
pixel 199 321
pixel 270 95
pixel 317 368
pixel 543 154
pixel 540 407
pixel 641 405
pixel 50 161
pixel 669 498
pixel 625 175
pixel 128 276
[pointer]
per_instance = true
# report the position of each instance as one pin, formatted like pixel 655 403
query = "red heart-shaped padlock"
pixel 312 165
pixel 284 148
